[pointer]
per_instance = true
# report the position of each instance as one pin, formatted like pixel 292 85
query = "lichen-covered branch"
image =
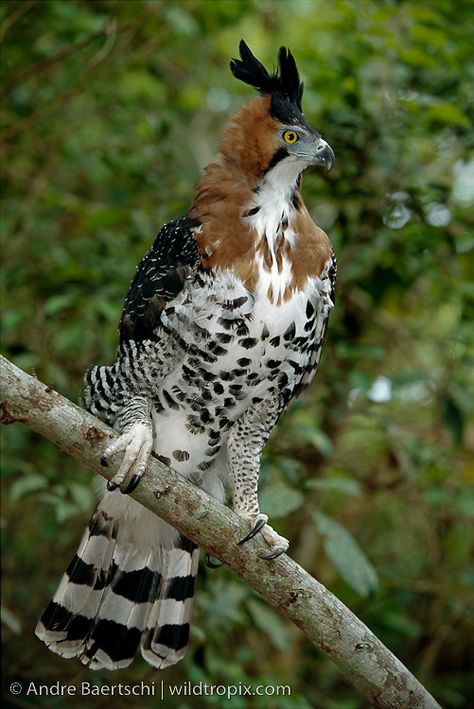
pixel 378 675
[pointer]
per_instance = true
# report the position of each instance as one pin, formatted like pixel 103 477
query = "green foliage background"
pixel 110 109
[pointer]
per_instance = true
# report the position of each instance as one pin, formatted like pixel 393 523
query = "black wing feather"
pixel 159 278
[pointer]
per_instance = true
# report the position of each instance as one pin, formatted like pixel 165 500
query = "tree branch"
pixel 377 674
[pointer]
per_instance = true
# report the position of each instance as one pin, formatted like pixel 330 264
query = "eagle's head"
pixel 272 130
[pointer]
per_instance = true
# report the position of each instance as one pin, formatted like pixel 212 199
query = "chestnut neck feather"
pixel 236 187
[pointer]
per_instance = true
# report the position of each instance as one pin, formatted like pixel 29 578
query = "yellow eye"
pixel 290 137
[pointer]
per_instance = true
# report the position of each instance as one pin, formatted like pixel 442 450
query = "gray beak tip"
pixel 325 155
pixel 329 157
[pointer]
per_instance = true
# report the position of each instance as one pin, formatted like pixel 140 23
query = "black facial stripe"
pixel 279 154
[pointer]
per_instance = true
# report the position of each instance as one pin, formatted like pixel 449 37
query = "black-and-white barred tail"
pixel 131 583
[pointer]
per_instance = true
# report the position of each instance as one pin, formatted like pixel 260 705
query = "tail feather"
pixel 70 615
pixel 165 639
pixel 117 593
pixel 121 617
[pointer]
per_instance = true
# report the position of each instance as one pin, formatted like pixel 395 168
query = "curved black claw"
pixel 272 555
pixel 211 563
pixel 111 486
pixel 132 485
pixel 261 523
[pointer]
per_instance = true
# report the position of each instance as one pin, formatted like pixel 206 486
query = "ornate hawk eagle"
pixel 222 327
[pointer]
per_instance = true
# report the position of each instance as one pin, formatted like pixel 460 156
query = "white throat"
pixel 270 214
pixel 274 201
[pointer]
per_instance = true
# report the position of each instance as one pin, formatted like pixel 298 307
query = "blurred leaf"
pixel 293 469
pixel 454 418
pixel 402 624
pixel 11 620
pixel 224 601
pixel 428 36
pixel 27 484
pixel 447 113
pixel 63 509
pixel 346 555
pixel 139 85
pixel 107 309
pixel 278 500
pixel 319 440
pixel 270 622
pixel 347 486
pixel 83 496
pixel 59 302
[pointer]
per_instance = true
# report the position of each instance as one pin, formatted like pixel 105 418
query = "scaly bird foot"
pixel 136 443
pixel 277 543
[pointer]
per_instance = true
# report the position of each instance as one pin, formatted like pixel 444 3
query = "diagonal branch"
pixel 377 674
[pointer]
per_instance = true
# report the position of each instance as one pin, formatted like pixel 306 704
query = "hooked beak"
pixel 323 154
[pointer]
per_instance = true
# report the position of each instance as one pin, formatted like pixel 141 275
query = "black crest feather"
pixel 285 81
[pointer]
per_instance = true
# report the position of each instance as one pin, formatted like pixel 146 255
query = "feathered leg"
pixel 122 393
pixel 247 437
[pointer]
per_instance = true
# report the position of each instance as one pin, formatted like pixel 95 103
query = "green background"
pixel 109 112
